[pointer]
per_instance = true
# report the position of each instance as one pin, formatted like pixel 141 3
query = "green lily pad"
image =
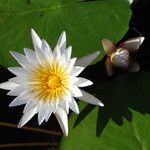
pixel 85 22
pixel 123 124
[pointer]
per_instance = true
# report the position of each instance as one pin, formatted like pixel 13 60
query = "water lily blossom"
pixel 120 56
pixel 47 81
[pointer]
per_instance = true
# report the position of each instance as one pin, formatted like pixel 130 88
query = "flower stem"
pixel 5 124
pixel 6 145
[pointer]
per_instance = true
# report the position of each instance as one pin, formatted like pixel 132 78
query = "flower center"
pixel 54 82
pixel 49 82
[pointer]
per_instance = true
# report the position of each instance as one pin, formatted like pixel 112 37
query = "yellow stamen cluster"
pixel 49 81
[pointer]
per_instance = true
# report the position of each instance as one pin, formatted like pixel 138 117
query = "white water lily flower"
pixel 47 82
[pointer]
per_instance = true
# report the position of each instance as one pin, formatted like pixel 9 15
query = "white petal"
pixel 56 53
pixel 19 80
pixel 18 71
pixel 20 100
pixel 26 117
pixel 40 55
pixel 46 48
pixel 108 46
pixel 31 55
pixel 90 99
pixel 76 92
pixel 40 104
pixel 17 91
pixel 76 70
pixel 41 118
pixel 21 59
pixel 54 104
pixel 132 44
pixel 35 39
pixel 82 82
pixel 74 106
pixel 8 85
pixel 73 80
pixel 62 41
pixel 63 60
pixel 49 111
pixel 68 52
pixel 86 60
pixel 62 119
pixel 30 105
pixel 67 96
pixel 42 115
pixel 64 105
pixel 71 63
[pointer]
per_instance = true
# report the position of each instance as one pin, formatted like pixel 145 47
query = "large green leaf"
pixel 123 124
pixel 85 22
